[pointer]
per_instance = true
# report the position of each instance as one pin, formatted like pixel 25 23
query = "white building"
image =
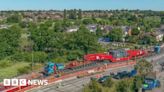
pixel 159 35
pixel 72 29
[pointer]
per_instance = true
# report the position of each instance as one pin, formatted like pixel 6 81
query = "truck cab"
pixel 150 84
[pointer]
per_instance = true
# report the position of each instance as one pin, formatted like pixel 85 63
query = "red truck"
pixel 115 55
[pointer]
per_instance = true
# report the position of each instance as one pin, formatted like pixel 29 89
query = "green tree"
pixel 124 86
pixel 79 14
pixel 41 38
pixel 9 41
pixel 95 86
pixel 65 14
pixel 116 35
pixel 99 32
pixel 86 40
pixel 109 83
pixel 137 83
pixel 87 21
pixel 144 67
pixel 73 14
pixel 135 31
pixel 148 39
pixel 58 27
pixel 15 18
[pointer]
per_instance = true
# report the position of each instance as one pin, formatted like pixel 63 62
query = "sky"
pixel 81 4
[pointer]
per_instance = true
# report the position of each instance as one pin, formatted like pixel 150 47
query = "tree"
pixel 144 67
pixel 87 21
pixel 135 31
pixel 94 86
pixel 9 41
pixel 148 39
pixel 58 27
pixel 65 14
pixel 72 14
pixel 79 14
pixel 124 86
pixel 41 38
pixel 108 83
pixel 132 39
pixel 137 83
pixel 99 32
pixel 86 40
pixel 15 18
pixel 116 35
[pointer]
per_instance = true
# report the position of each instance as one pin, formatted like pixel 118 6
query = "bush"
pixel 5 63
pixel 60 60
pixel 71 57
pixel 40 57
pixel 28 57
pixel 23 70
pixel 25 56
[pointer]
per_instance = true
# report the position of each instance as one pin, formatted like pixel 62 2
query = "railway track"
pixel 89 66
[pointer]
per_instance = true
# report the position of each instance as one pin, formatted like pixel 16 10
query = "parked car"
pixel 103 79
pixel 121 75
pixel 125 74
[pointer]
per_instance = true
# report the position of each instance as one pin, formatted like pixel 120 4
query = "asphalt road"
pixel 74 85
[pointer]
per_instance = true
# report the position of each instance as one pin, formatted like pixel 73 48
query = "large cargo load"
pixel 60 66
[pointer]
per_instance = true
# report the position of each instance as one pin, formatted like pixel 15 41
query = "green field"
pixel 12 70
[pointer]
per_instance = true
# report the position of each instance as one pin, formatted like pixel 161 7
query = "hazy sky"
pixel 83 4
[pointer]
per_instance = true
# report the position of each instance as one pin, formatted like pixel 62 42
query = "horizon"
pixel 20 5
pixel 82 10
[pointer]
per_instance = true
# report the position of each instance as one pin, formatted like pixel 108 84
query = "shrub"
pixel 5 63
pixel 59 59
pixel 29 57
pixel 23 70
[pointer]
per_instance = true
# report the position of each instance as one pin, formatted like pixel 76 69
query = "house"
pixel 127 30
pixel 4 26
pixel 92 27
pixel 73 29
pixel 106 28
pixel 159 35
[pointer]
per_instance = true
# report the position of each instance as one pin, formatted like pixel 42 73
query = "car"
pixel 121 75
pixel 125 74
pixel 103 79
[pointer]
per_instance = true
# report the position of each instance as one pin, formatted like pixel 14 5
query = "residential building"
pixel 73 29
pixel 92 27
pixel 159 35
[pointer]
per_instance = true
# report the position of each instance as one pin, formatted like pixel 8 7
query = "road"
pixel 76 85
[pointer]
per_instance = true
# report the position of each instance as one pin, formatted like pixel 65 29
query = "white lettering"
pixel 23 82
pixel 14 82
pixel 30 82
pixel 6 82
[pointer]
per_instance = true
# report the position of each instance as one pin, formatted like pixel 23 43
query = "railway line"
pixel 85 67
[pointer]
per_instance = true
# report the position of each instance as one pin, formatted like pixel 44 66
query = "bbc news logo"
pixel 24 82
